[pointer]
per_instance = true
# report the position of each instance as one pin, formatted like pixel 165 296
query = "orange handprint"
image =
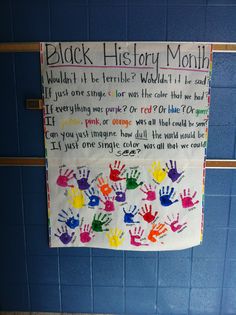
pixel 104 187
pixel 156 231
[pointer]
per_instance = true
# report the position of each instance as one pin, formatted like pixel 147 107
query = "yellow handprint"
pixel 115 237
pixel 76 198
pixel 158 173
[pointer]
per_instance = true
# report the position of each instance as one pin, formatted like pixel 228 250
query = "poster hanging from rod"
pixel 125 127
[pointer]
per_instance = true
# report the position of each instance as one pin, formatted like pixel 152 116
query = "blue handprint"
pixel 83 179
pixel 69 219
pixel 120 192
pixel 166 196
pixel 93 197
pixel 129 215
pixel 173 174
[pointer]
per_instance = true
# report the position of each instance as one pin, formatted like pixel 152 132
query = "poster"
pixel 125 127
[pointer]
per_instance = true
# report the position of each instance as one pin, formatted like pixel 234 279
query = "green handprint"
pixel 99 221
pixel 131 180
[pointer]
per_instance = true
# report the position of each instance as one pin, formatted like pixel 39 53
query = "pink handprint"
pixel 63 179
pixel 109 204
pixel 116 171
pixel 147 214
pixel 150 192
pixel 187 199
pixel 135 237
pixel 86 233
pixel 174 223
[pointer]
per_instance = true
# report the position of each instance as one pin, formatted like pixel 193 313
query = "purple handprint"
pixel 173 174
pixel 69 219
pixel 64 236
pixel 120 192
pixel 82 181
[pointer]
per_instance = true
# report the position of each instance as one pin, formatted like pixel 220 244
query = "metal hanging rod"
pixel 40 161
pixel 35 47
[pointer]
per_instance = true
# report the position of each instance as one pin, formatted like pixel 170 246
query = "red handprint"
pixel 156 231
pixel 150 192
pixel 174 223
pixel 86 233
pixel 104 187
pixel 187 199
pixel 109 204
pixel 135 237
pixel 63 179
pixel 116 171
pixel 147 213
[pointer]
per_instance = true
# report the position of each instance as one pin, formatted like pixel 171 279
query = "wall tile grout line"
pixel 50 20
pixel 124 283
pixel 25 241
pixel 59 280
pixel 190 280
pixel 20 171
pixel 205 21
pixel 226 247
pixel 157 280
pixel 167 18
pixel 91 279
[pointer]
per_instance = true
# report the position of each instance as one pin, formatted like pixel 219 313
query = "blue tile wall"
pixel 199 281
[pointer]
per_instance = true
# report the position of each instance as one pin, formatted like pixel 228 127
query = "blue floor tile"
pixel 140 300
pixel 107 271
pixel 37 241
pixel 147 22
pixel 213 245
pixel 173 301
pixel 230 274
pixel 76 299
pixel 45 298
pixel 174 272
pixel 207 272
pixel 179 17
pixel 216 211
pixel 141 272
pixel 14 297
pixel 43 269
pixel 69 22
pixel 229 301
pixel 108 300
pixel 231 248
pixel 205 301
pixel 75 270
pixel 112 23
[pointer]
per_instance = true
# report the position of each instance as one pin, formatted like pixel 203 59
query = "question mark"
pixel 133 75
pixel 138 151
pixel 124 107
pixel 154 107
